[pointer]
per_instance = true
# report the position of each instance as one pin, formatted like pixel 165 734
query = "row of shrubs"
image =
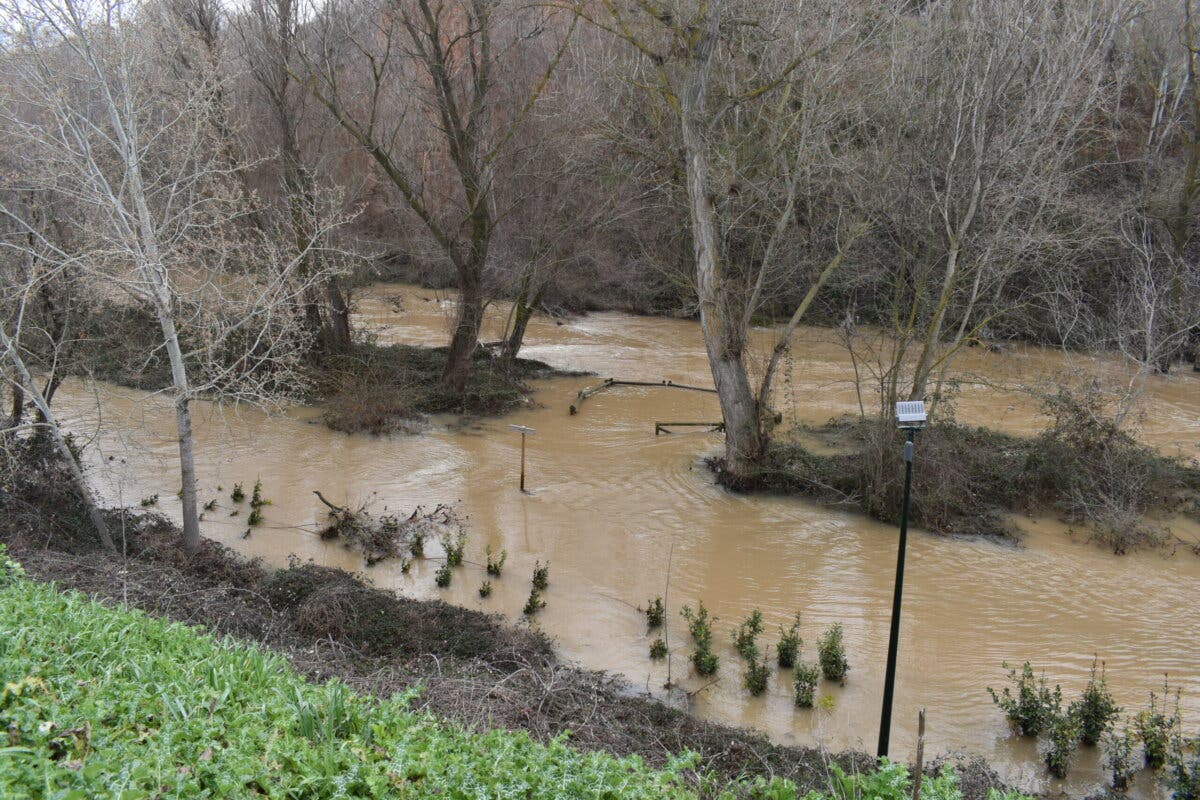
pixel 831 650
pixel 1094 719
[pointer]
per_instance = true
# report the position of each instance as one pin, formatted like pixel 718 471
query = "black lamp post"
pixel 911 417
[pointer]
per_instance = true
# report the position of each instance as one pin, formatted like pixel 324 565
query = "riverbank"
pixel 368 388
pixel 473 669
pixel 973 480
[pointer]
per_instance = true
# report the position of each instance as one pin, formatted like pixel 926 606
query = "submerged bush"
pixel 658 649
pixel 804 680
pixel 443 575
pixel 1095 710
pixel 831 652
pixel 485 589
pixel 256 498
pixel 655 612
pixel 541 576
pixel 495 564
pixel 238 494
pixel 1033 707
pixel 1119 757
pixel 757 674
pixel 1183 776
pixel 1059 748
pixel 534 604
pixel 700 627
pixel 789 644
pixel 1157 727
pixel 455 545
pixel 745 636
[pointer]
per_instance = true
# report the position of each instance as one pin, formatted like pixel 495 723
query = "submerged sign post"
pixel 524 431
pixel 910 417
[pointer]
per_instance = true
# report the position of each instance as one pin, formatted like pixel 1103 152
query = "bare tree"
pixel 416 84
pixel 92 113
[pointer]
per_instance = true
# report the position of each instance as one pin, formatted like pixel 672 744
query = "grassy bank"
pixel 969 480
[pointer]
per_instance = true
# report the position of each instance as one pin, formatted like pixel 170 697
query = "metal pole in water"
pixel 524 430
pixel 889 680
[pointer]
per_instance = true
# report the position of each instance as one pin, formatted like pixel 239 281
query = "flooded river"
pixel 611 504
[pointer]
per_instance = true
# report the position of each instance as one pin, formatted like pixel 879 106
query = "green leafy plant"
pixel 238 494
pixel 831 652
pixel 745 636
pixel 152 500
pixel 1059 747
pixel 789 644
pixel 1157 727
pixel 1095 710
pixel 455 546
pixel 1118 750
pixel 1183 775
pixel 541 576
pixel 1033 705
pixel 700 627
pixel 485 589
pixel 210 505
pixel 655 612
pixel 534 604
pixel 443 575
pixel 416 544
pixel 495 564
pixel 658 649
pixel 256 498
pixel 804 680
pixel 757 674
pixel 255 517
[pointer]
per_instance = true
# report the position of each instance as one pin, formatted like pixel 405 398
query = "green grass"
pixel 105 703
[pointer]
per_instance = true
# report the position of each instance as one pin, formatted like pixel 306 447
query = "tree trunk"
pixel 744 441
pixel 60 444
pixel 522 313
pixel 466 332
pixel 18 404
pixel 339 316
pixel 183 425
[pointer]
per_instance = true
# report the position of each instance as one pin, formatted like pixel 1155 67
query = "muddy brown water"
pixel 611 505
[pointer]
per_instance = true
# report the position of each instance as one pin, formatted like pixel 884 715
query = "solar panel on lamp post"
pixel 910 417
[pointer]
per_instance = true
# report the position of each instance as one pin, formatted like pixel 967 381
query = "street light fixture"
pixel 910 417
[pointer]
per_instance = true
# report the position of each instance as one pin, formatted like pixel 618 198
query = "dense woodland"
pixel 924 176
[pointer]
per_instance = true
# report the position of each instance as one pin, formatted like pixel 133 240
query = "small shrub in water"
pixel 152 500
pixel 745 638
pixel 495 564
pixel 1095 710
pixel 703 658
pixel 454 547
pixel 416 545
pixel 234 513
pixel 757 674
pixel 789 644
pixel 443 575
pixel 1059 749
pixel 1183 777
pixel 655 613
pixel 541 576
pixel 658 649
pixel 1157 728
pixel 210 505
pixel 534 604
pixel 256 498
pixel 238 494
pixel 1118 748
pixel 831 652
pixel 255 517
pixel 804 680
pixel 485 589
pixel 1034 705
